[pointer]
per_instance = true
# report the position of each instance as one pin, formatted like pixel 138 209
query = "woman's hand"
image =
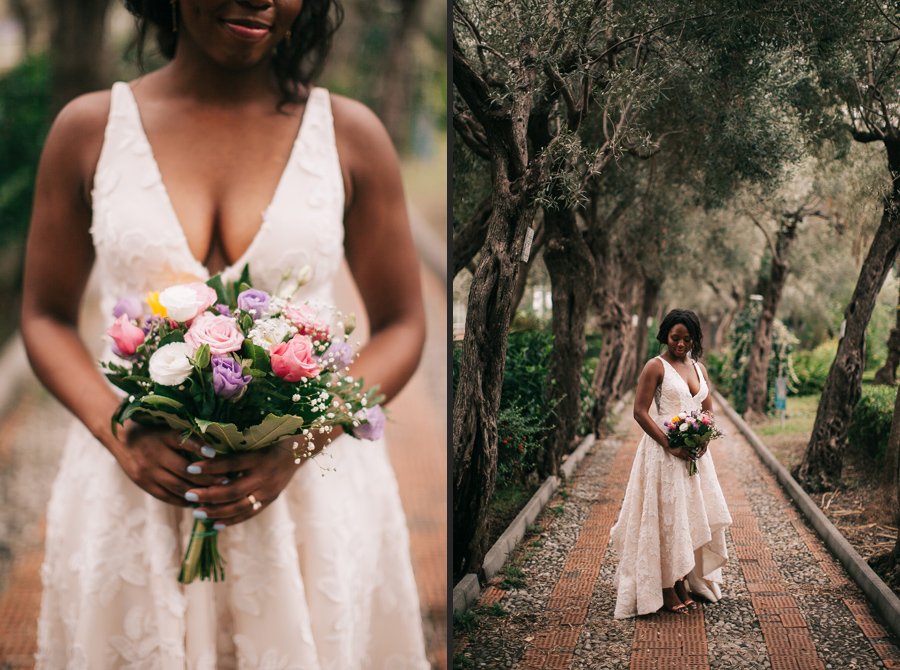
pixel 262 474
pixel 157 461
pixel 680 452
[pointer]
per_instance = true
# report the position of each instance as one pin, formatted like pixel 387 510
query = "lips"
pixel 247 29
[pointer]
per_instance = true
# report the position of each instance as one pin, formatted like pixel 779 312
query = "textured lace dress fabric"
pixel 321 579
pixel 670 524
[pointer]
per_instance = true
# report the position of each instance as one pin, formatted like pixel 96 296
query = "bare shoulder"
pixel 653 369
pixel 703 370
pixel 359 133
pixel 84 117
pixel 76 135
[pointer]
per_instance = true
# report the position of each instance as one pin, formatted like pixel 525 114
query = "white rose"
pixel 683 427
pixel 184 302
pixel 170 364
pixel 266 333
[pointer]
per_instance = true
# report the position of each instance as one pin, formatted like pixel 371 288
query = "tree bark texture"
pixel 761 351
pixel 571 267
pixel 468 237
pixel 823 459
pixel 489 310
pixel 616 299
pixel 79 65
pixel 648 307
pixel 887 373
pixel 536 245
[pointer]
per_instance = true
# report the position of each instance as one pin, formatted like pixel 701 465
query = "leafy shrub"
pixel 736 360
pixel 811 368
pixel 519 445
pixel 715 366
pixel 24 123
pixel 870 425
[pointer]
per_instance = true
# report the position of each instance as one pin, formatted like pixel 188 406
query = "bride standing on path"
pixel 671 527
pixel 223 157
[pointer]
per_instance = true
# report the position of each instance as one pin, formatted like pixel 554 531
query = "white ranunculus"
pixel 170 364
pixel 184 302
pixel 683 427
pixel 266 333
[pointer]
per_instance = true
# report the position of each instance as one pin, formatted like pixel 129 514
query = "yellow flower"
pixel 155 306
pixel 675 419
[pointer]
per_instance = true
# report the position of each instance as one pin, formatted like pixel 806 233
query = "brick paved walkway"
pixel 30 442
pixel 787 603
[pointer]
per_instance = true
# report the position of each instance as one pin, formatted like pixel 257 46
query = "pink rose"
pixel 219 332
pixel 705 420
pixel 307 321
pixel 125 335
pixel 293 360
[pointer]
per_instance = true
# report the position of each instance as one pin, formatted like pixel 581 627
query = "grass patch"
pixel 558 509
pixel 465 622
pixel 513 577
pixel 506 503
pixel 787 442
pixel 494 610
pixel 462 662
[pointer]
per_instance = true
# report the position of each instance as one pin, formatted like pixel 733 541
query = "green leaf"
pixel 226 436
pixel 272 429
pixel 215 283
pixel 155 417
pixel 201 357
pixel 246 322
pixel 245 275
pixel 174 336
pixel 258 355
pixel 160 401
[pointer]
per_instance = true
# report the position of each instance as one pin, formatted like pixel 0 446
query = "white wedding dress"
pixel 319 580
pixel 670 524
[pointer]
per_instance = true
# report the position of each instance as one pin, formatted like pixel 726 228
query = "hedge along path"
pixel 787 602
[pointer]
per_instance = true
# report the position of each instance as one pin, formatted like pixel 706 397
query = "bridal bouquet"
pixel 691 430
pixel 239 369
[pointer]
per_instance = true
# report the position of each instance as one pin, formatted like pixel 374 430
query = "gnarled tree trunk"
pixel 823 459
pixel 78 54
pixel 761 351
pixel 648 307
pixel 571 266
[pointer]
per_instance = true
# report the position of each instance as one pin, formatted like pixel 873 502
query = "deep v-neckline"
pixel 685 381
pixel 170 206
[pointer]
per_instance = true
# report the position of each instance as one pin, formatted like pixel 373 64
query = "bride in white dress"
pixel 671 528
pixel 223 157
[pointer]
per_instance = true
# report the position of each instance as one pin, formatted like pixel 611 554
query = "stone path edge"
pixel 882 598
pixel 468 589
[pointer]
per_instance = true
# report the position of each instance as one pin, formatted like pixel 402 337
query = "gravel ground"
pixel 732 627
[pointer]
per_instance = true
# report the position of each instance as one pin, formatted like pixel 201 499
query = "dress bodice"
pixel 673 395
pixel 140 244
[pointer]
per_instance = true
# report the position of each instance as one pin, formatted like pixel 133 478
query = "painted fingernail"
pixel 199 514
pixel 190 496
pixel 218 525
pixel 208 451
pixel 194 469
pixel 225 482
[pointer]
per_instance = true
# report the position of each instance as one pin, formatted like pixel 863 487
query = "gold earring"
pixel 287 36
pixel 174 16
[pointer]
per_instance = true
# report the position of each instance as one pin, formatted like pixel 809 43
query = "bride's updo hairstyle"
pixel 297 60
pixel 690 321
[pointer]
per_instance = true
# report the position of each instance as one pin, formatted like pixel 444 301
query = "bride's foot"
pixel 672 603
pixel 682 593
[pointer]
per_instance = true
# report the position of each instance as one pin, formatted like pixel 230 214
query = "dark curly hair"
pixel 690 321
pixel 296 61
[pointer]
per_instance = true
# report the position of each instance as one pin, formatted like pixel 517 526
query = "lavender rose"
pixel 222 309
pixel 374 428
pixel 228 377
pixel 130 306
pixel 337 357
pixel 254 302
